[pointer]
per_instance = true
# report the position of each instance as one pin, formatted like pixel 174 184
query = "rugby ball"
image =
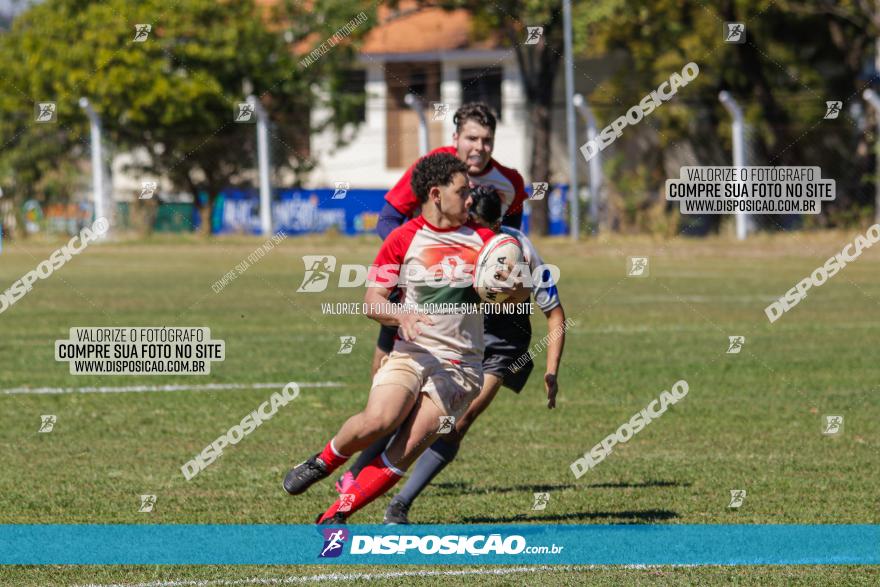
pixel 501 253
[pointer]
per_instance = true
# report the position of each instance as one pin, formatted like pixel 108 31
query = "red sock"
pixel 373 480
pixel 331 458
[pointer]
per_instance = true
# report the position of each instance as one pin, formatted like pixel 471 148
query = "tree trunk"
pixel 206 213
pixel 539 118
pixel 762 90
pixel 538 66
pixel 206 210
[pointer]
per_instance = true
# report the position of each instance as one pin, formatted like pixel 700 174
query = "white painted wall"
pixel 362 162
pixel 511 136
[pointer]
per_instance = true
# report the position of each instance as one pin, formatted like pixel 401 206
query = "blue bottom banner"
pixel 448 544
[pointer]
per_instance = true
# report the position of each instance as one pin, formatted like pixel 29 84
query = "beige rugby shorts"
pixel 452 386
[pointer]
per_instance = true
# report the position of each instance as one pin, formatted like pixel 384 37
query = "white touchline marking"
pixel 330 577
pixel 149 388
pixel 355 576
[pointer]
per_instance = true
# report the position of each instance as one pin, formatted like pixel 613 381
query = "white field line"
pixel 151 388
pixel 333 577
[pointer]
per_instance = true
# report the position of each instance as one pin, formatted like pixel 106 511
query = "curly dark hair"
pixel 487 204
pixel 435 170
pixel 479 112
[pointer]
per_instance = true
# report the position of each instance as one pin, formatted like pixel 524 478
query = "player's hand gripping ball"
pixel 496 261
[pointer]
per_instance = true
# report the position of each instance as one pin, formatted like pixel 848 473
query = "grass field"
pixel 751 420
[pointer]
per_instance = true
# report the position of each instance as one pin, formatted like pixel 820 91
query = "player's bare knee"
pixel 375 425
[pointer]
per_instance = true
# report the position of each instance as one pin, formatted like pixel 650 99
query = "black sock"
pixel 432 461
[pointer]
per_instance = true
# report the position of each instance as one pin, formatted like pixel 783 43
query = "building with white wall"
pixel 433 54
pixel 429 53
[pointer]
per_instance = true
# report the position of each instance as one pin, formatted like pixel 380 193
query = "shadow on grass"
pixel 462 487
pixel 643 484
pixel 635 517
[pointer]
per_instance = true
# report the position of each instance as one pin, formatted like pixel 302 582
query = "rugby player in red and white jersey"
pixel 472 142
pixel 435 367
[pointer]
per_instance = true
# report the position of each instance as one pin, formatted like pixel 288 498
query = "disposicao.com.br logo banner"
pixel 499 544
pixel 494 544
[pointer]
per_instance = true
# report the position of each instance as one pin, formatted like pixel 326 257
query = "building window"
pixel 482 84
pixel 355 89
pixel 402 122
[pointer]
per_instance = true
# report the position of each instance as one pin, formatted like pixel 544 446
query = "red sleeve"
pixel 520 195
pixel 519 188
pixel 385 270
pixel 401 195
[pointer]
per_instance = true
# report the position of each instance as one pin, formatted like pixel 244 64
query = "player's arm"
pixel 517 293
pixel 389 219
pixel 514 214
pixel 383 278
pixel 547 298
pixel 556 342
pixel 390 314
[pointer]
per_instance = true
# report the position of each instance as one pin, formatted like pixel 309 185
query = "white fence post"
pixel 416 104
pixel 739 152
pixel 596 178
pixel 263 161
pixel 97 159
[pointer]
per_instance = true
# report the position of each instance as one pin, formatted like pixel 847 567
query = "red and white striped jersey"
pixel 434 266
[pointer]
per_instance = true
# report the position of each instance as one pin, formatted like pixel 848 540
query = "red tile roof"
pixel 416 30
pixel 409 28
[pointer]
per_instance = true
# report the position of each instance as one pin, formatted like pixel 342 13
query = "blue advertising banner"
pixel 436 544
pixel 557 210
pixel 303 211
pixel 350 211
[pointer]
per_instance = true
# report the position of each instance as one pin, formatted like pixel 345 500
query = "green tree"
pixel 539 65
pixel 171 97
pixel 796 57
